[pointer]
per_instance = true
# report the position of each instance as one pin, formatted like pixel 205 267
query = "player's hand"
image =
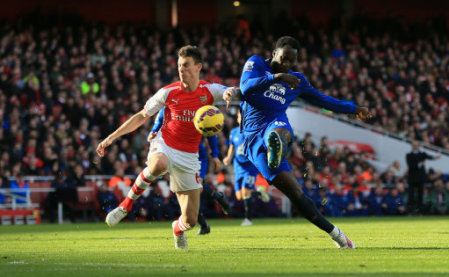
pixel 363 113
pixel 291 80
pixel 217 164
pixel 105 143
pixel 437 157
pixel 227 96
pixel 227 161
pixel 151 136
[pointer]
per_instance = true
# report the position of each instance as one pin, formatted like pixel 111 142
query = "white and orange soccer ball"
pixel 208 120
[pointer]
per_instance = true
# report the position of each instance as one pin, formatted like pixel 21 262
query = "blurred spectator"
pixel 20 188
pixel 106 199
pixel 76 178
pixel 66 194
pixel 376 201
pixel 89 85
pixel 438 199
pixel 120 181
pixel 4 184
pixel 394 203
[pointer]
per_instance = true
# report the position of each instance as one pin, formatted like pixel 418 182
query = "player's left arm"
pixel 220 92
pixel 316 97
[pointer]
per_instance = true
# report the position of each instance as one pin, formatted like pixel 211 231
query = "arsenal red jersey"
pixel 178 130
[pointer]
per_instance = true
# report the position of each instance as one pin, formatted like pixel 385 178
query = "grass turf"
pixel 406 246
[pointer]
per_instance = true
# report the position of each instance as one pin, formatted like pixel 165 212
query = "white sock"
pixel 335 232
pixel 142 182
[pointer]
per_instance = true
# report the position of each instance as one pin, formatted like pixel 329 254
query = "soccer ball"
pixel 208 120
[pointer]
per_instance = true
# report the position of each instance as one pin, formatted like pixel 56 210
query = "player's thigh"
pixel 282 127
pixel 258 157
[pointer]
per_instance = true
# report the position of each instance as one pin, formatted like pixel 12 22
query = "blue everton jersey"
pixel 236 139
pixel 264 100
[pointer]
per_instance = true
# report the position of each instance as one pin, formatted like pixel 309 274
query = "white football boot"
pixel 246 222
pixel 341 240
pixel 115 216
pixel 180 241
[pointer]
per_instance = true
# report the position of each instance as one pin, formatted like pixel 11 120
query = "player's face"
pixel 189 72
pixel 284 59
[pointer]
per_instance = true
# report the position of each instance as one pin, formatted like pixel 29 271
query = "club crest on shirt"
pixel 249 66
pixel 280 123
pixel 203 99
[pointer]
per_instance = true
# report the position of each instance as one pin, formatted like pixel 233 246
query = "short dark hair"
pixel 287 40
pixel 191 51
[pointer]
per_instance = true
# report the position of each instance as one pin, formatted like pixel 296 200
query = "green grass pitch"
pixel 407 246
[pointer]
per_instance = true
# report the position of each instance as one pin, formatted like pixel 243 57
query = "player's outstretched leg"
pixel 262 194
pixel 286 182
pixel 219 197
pixel 277 148
pixel 204 227
pixel 142 182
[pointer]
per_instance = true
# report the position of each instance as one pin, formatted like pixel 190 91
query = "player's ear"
pixel 199 66
pixel 274 53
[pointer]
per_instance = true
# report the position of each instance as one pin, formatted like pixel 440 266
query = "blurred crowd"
pixel 64 87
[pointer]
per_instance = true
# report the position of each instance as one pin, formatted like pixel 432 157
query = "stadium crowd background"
pixel 63 88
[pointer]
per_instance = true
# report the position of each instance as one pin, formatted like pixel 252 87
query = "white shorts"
pixel 183 167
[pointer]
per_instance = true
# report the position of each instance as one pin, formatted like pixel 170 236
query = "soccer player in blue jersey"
pixel 203 157
pixel 245 173
pixel 268 87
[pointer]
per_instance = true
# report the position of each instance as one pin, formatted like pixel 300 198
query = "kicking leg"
pixel 157 165
pixel 219 197
pixel 286 182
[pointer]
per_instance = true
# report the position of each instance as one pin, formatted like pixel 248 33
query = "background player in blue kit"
pixel 268 87
pixel 203 158
pixel 245 173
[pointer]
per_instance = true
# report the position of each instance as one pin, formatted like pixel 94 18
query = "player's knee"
pixel 158 167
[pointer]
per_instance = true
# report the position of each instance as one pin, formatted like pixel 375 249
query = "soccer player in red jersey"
pixel 175 148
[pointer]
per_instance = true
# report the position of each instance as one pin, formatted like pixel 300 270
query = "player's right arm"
pixel 227 160
pixel 128 126
pixel 152 106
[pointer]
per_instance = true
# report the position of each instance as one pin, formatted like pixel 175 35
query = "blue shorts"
pixel 256 149
pixel 245 175
pixel 203 170
pixel 204 160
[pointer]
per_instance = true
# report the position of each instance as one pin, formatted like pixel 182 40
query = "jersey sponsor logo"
pixel 274 91
pixel 280 123
pixel 187 115
pixel 267 73
pixel 203 99
pixel 249 66
pixel 176 101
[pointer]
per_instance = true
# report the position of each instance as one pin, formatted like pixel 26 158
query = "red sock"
pixel 127 204
pixel 179 227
